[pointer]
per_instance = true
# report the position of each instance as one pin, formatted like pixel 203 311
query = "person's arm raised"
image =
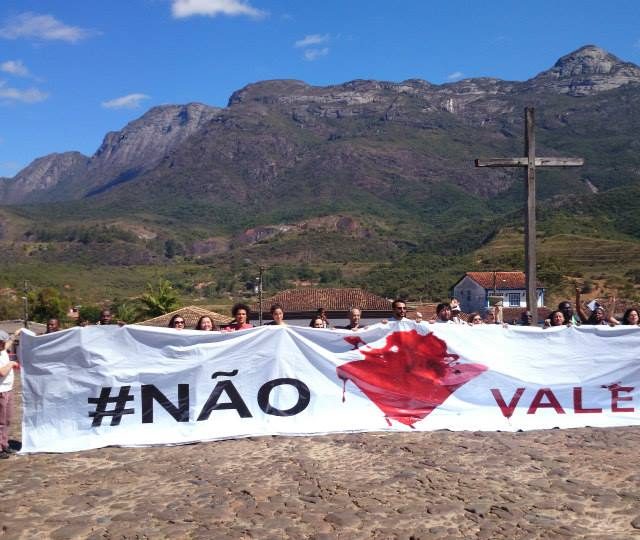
pixel 579 308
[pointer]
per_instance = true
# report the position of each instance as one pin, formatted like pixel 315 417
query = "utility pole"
pixel 26 304
pixel 260 277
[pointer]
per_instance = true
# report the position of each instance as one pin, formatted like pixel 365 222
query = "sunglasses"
pixel 178 322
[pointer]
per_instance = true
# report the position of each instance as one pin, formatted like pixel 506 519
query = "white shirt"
pixel 6 382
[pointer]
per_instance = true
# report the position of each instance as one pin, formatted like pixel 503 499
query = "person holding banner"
pixel 6 394
pixel 241 315
pixel 354 320
pixel 105 317
pixel 177 322
pixel 598 315
pixel 443 313
pixel 399 310
pixel 53 325
pixel 277 314
pixel 317 322
pixel 569 316
pixel 556 318
pixel 631 317
pixel 322 313
pixel 206 323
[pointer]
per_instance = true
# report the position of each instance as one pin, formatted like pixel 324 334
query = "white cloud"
pixel 314 54
pixel 130 101
pixel 33 25
pixel 212 8
pixel 30 95
pixel 15 67
pixel 455 76
pixel 312 39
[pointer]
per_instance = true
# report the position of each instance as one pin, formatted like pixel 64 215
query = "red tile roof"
pixel 501 280
pixel 306 300
pixel 191 315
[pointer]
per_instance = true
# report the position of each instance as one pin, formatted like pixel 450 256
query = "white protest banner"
pixel 106 385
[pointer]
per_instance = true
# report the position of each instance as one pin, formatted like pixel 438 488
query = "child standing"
pixel 6 395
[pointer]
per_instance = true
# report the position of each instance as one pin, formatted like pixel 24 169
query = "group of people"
pixel 563 316
pixel 566 316
pixel 106 317
pixel 446 312
pixel 241 314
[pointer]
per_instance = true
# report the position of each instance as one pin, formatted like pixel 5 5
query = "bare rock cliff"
pixel 587 71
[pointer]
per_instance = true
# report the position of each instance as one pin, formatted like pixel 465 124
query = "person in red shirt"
pixel 241 315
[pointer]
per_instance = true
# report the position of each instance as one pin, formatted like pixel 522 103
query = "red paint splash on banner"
pixel 356 341
pixel 409 376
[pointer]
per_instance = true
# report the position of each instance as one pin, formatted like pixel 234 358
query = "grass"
pixel 576 259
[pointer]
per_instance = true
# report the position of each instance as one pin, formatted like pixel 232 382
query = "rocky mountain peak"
pixel 42 175
pixel 157 130
pixel 588 70
pixel 122 156
pixel 267 91
pixel 145 141
pixel 587 60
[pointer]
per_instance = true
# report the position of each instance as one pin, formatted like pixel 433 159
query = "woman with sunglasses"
pixel 177 322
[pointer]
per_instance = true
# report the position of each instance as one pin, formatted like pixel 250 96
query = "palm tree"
pixel 160 299
pixel 127 313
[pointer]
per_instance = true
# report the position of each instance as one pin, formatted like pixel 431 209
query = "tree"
pixel 160 299
pixel 330 275
pixel 50 304
pixel 89 313
pixel 126 312
pixel 10 308
pixel 173 248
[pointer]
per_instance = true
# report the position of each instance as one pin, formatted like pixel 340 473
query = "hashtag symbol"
pixel 105 399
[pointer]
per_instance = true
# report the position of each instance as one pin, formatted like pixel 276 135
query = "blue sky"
pixel 72 70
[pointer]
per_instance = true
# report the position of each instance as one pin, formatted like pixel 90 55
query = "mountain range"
pixel 361 171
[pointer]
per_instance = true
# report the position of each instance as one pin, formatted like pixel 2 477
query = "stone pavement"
pixel 580 483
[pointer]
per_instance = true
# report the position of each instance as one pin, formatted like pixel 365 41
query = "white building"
pixel 474 289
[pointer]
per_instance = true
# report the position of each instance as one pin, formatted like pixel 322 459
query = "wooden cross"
pixel 530 161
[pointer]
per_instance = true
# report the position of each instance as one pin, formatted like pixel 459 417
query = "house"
pixel 474 290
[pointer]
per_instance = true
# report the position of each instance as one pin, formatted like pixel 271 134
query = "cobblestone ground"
pixel 580 483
